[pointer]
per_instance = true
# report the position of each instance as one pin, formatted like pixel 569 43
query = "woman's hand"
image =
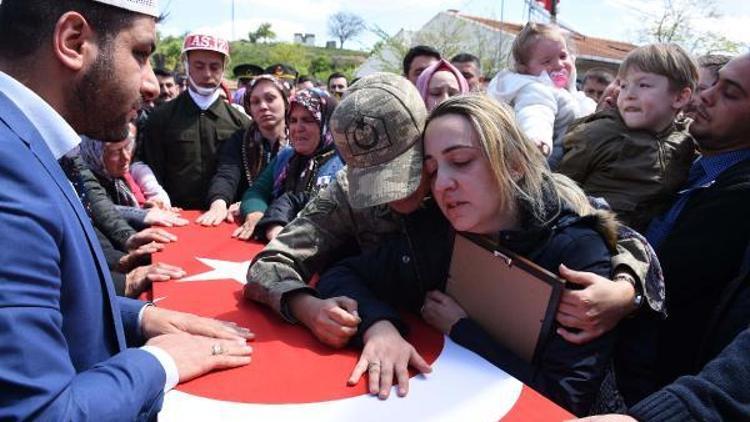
pixel 164 218
pixel 233 214
pixel 386 354
pixel 441 311
pixel 215 215
pixel 245 231
pixel 594 310
pixel 273 231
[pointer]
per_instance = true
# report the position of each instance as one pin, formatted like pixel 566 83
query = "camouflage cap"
pixel 377 128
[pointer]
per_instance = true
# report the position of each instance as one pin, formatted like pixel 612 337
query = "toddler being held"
pixel 542 88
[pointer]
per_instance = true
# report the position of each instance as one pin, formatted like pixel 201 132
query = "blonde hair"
pixel 518 167
pixel 529 35
pixel 668 60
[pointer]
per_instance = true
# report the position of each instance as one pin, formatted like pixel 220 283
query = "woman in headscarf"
pixel 440 81
pixel 297 173
pixel 110 162
pixel 243 157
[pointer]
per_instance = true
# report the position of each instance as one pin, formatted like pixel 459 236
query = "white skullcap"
pixel 146 7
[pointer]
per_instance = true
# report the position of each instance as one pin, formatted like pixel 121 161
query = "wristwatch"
pixel 638 299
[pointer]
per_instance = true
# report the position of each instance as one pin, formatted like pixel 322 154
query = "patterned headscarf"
pixel 320 105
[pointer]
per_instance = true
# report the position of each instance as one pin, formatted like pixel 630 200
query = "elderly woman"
pixel 111 164
pixel 243 157
pixel 488 179
pixel 287 183
pixel 440 81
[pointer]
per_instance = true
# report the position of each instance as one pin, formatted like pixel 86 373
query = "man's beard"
pixel 98 100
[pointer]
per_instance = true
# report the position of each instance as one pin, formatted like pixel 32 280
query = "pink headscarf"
pixel 423 82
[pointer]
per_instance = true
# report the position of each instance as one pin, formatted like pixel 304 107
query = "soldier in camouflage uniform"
pixel 377 130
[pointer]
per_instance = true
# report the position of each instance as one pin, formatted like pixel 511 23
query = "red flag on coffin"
pixel 293 376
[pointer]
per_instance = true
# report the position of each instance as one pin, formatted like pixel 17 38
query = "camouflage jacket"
pixel 326 230
pixel 329 229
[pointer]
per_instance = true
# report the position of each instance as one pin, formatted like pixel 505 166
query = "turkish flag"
pixel 294 376
pixel 548 4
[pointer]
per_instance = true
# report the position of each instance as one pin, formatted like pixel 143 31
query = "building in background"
pixel 452 32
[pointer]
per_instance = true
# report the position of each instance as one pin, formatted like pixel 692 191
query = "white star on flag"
pixel 222 270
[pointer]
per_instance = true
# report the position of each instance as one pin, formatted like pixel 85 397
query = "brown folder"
pixel 512 298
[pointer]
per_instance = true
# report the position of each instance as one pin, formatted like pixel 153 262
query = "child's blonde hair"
pixel 668 60
pixel 529 35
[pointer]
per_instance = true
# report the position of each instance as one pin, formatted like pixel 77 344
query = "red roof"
pixel 584 46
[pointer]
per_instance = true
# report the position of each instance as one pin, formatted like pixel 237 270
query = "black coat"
pixel 403 269
pixel 720 392
pixel 700 256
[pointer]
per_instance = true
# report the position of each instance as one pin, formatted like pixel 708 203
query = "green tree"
pixel 319 65
pixel 168 50
pixel 263 33
pixel 293 54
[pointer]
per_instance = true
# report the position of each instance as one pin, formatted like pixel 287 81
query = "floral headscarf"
pixel 320 105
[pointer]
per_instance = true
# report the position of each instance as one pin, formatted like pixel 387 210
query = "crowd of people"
pixel 634 187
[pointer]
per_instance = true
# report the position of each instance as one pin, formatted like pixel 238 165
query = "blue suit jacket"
pixel 63 348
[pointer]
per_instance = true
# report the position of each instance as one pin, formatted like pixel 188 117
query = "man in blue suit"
pixel 70 67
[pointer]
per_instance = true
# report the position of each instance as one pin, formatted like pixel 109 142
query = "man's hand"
pixel 196 355
pixel 215 215
pixel 138 257
pixel 333 321
pixel 441 311
pixel 160 217
pixel 140 279
pixel 245 231
pixel 147 236
pixel 595 309
pixel 386 354
pixel 158 321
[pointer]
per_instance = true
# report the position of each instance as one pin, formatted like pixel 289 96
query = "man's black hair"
pixel 466 58
pixel 305 78
pixel 26 25
pixel 164 73
pixel 333 76
pixel 419 50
